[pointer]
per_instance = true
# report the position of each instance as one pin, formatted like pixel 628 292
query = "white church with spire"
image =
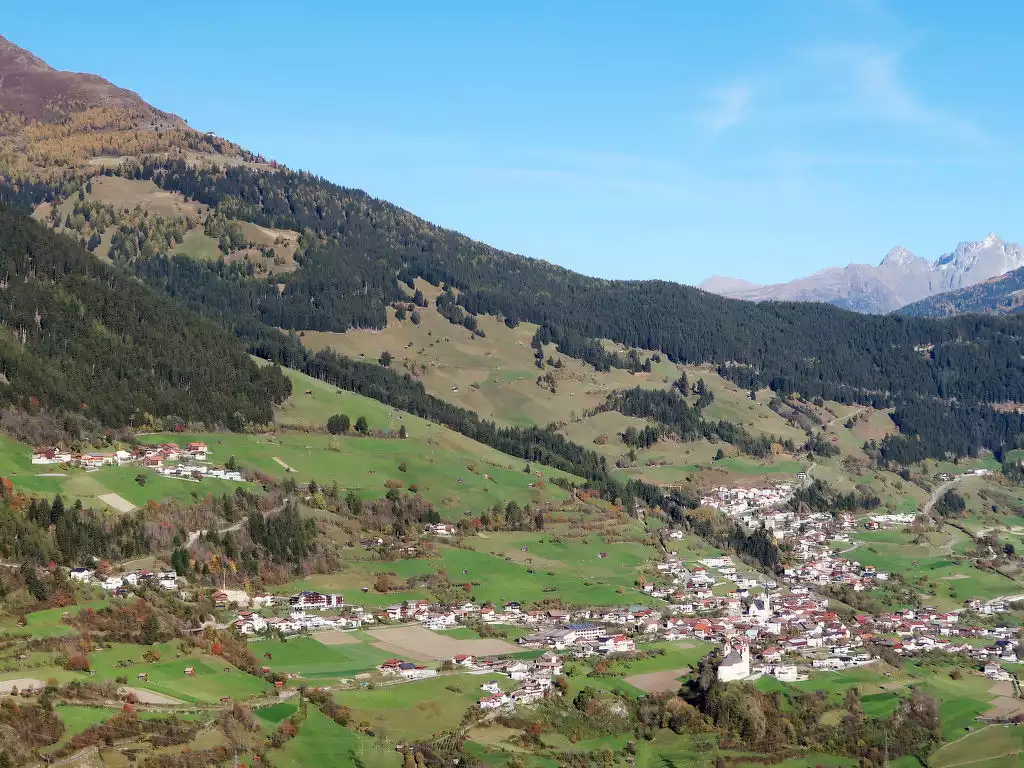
pixel 736 664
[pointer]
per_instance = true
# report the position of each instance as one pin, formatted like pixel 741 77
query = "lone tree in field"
pixel 361 426
pixel 385 358
pixel 338 424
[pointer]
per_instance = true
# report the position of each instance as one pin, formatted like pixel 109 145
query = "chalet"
pixel 197 451
pixel 390 667
pixel 250 623
pixel 548 662
pixel 495 701
pixel 445 530
pixel 411 671
pixel 585 631
pixel 518 670
pixel 94 460
pixel 616 644
pixel 464 660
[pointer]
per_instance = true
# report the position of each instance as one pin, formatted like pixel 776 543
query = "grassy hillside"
pixel 450 470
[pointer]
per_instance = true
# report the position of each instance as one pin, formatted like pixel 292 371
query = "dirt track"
pixel 657 682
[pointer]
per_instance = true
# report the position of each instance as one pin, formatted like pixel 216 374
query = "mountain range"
pixel 901 278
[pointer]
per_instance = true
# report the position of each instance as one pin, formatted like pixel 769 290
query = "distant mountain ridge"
pixel 901 278
pixel 1000 295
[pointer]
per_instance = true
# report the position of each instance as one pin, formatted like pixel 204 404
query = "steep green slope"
pixel 82 336
pixel 1000 295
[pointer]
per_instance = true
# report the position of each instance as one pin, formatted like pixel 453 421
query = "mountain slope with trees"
pixel 78 335
pixel 357 249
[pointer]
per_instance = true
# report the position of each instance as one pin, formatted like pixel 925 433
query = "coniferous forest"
pixel 81 336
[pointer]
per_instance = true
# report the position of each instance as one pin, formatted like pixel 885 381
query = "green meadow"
pixel 88 485
pixel 416 710
pixel 309 658
pixel 321 741
pixel 214 677
pixel 569 570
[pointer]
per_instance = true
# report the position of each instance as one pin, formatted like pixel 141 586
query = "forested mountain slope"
pixel 79 335
pixel 1000 295
pixel 357 248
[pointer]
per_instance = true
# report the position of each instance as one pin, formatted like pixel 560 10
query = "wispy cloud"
pixel 726 107
pixel 878 91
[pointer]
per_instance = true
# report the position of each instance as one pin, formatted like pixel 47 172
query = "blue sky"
pixel 761 139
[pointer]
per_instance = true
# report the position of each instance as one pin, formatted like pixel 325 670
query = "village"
pixel 781 626
pixel 167 459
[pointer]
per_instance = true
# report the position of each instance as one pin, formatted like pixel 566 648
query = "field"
pixel 78 718
pixel 995 745
pixel 127 193
pixel 214 678
pixel 496 377
pixel 323 742
pixel 48 623
pixel 423 645
pixel 416 710
pixel 312 659
pixel 569 569
pixel 936 568
pixel 198 245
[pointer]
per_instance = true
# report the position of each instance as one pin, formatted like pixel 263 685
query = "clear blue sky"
pixel 762 139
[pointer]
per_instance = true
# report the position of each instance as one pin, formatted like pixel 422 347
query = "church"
pixel 760 609
pixel 736 664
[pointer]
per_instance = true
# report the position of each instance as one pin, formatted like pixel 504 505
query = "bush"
pixel 338 424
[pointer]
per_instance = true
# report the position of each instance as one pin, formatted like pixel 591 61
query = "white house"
pixel 496 701
pixel 250 623
pixel 81 574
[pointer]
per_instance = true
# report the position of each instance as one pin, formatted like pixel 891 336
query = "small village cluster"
pixel 168 459
pixel 737 502
pixel 815 536
pixel 121 583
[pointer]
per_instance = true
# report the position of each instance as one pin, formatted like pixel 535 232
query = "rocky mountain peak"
pixel 900 257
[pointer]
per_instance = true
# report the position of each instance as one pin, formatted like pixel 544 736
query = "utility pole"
pixel 885 761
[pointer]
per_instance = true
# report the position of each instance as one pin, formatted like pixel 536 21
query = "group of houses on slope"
pixel 168 459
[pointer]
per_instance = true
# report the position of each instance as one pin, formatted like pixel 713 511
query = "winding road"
pixel 937 494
